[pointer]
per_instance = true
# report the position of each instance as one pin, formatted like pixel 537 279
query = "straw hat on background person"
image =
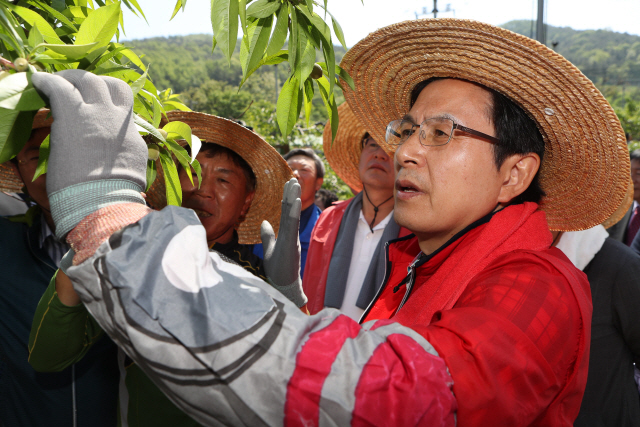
pixel 343 153
pixel 10 182
pixel 585 170
pixel 270 169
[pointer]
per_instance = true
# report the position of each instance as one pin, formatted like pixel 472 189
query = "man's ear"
pixel 247 203
pixel 518 171
pixel 319 182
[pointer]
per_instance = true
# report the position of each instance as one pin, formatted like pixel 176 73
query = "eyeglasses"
pixel 433 132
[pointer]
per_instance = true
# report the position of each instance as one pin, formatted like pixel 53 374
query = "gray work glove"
pixel 97 157
pixel 282 256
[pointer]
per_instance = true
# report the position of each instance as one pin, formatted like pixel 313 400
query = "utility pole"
pixel 435 8
pixel 540 33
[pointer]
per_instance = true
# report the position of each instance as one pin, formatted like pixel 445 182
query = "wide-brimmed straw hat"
pixel 343 154
pixel 9 180
pixel 585 170
pixel 622 209
pixel 270 169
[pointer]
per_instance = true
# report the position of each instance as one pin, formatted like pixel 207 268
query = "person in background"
pixel 626 229
pixel 325 198
pixel 611 395
pixel 308 169
pixel 235 163
pixel 345 263
pixel 83 393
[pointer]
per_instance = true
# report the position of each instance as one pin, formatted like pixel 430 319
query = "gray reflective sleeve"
pixel 229 349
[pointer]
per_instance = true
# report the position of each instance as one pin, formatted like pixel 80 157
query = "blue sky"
pixel 357 20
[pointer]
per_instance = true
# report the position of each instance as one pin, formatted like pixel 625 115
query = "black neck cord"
pixel 375 208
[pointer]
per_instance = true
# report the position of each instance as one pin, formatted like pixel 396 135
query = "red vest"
pixel 510 317
pixel 321 246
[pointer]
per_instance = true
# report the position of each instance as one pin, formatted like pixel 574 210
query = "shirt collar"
pixel 381 225
pixel 45 231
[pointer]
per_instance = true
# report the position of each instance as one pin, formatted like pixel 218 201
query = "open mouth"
pixel 406 187
pixel 202 214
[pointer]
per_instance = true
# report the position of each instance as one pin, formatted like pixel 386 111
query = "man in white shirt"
pixel 346 257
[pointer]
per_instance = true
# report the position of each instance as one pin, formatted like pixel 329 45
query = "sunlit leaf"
pixel 100 26
pixel 263 8
pixel 33 18
pixel 151 173
pixel 35 37
pixel 280 31
pixel 180 129
pixel 289 105
pixel 43 159
pixel 17 93
pixel 224 18
pixel 55 13
pixel 258 42
pixel 15 129
pixel 182 156
pixel 70 51
pixel 171 179
pixel 138 84
pixel 176 9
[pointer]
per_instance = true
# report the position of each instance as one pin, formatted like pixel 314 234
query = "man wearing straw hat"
pixel 30 255
pixel 346 254
pixel 480 322
pixel 242 177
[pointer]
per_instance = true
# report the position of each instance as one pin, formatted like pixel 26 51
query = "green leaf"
pixel 181 155
pixel 35 37
pixel 198 169
pixel 146 127
pixel 337 29
pixel 176 9
pixel 242 9
pixel 17 93
pixel 263 8
pixel 278 58
pixel 330 104
pixel 289 105
pixel 279 35
pixel 133 57
pixel 55 13
pixel 43 159
pixel 307 61
pixel 224 19
pixel 182 130
pixel 34 19
pixel 344 75
pixel 151 173
pixel 173 105
pixel 70 51
pixel 15 129
pixel 138 84
pixel 137 7
pixel 308 98
pixel 100 26
pixel 171 179
pixel 157 112
pixel 293 39
pixel 258 42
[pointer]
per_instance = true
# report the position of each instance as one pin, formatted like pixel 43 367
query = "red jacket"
pixel 321 246
pixel 510 317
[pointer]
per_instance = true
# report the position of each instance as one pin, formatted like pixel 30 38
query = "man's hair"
pixel 327 197
pixel 517 132
pixel 308 152
pixel 635 155
pixel 211 150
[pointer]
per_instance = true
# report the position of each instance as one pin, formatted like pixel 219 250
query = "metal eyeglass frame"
pixel 453 128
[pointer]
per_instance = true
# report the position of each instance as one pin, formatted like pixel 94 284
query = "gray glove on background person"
pixel 97 157
pixel 282 256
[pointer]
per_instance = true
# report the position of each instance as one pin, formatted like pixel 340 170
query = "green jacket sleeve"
pixel 60 335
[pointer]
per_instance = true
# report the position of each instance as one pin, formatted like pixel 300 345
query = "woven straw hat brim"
pixel 585 170
pixel 343 154
pixel 9 181
pixel 270 169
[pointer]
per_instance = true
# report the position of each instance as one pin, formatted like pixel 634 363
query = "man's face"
pixel 635 177
pixel 376 167
pixel 221 200
pixel 442 189
pixel 28 162
pixel 304 169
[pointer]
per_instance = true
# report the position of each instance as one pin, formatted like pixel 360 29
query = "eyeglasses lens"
pixel 433 132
